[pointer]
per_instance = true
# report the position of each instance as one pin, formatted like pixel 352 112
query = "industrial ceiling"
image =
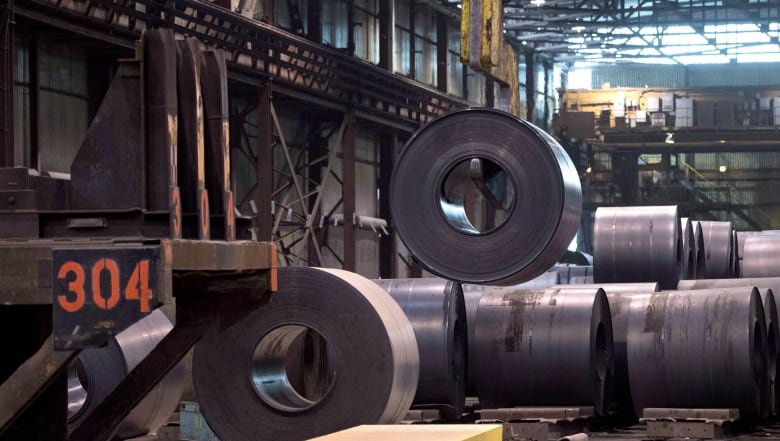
pixel 648 31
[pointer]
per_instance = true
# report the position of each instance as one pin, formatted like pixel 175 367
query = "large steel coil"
pixel 700 272
pixel 718 253
pixel 436 310
pixel 761 256
pixel 699 349
pixel 637 244
pixel 97 371
pixel 548 347
pixel 769 286
pixel 471 295
pixel 688 263
pixel 619 296
pixel 359 361
pixel 489 183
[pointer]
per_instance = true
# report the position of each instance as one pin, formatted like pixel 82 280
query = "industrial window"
pixel 366 30
pixel 22 129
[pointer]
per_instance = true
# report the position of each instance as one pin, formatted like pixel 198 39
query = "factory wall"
pixel 705 75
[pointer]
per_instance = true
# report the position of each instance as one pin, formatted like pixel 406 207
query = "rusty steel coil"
pixel 471 295
pixel 637 244
pixel 330 351
pixel 437 312
pixel 762 256
pixel 619 296
pixel 688 263
pixel 97 371
pixel 488 182
pixel 548 347
pixel 718 252
pixel 699 349
pixel 769 286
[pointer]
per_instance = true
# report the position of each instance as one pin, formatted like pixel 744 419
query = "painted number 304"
pixel 103 296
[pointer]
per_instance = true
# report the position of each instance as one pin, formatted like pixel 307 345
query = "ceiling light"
pixel 589 169
pixel 537 2
pixel 578 28
pixel 722 169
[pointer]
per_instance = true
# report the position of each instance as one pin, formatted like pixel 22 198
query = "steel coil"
pixel 548 347
pixel 761 256
pixel 718 253
pixel 767 285
pixel 97 371
pixel 688 263
pixel 700 272
pixel 699 349
pixel 488 182
pixel 471 296
pixel 436 310
pixel 637 244
pixel 360 361
pixel 619 296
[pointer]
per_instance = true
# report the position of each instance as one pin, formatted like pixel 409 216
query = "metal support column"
pixel 386 33
pixel 547 75
pixel 263 164
pixel 387 142
pixel 314 22
pixel 351 27
pixel 530 87
pixel 412 39
pixel 6 83
pixel 441 51
pixel 348 191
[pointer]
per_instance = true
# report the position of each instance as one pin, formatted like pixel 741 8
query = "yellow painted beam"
pixel 418 432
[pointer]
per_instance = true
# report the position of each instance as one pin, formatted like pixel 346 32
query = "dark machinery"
pixel 85 256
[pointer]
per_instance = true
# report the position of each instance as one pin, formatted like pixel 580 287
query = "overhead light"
pixel 459 6
pixel 578 28
pixel 537 2
pixel 722 169
pixel 589 169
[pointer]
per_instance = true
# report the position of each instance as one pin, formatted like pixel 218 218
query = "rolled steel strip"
pixel 548 347
pixel 471 296
pixel 97 371
pixel 637 244
pixel 700 271
pixel 437 312
pixel 688 263
pixel 619 296
pixel 717 249
pixel 741 238
pixel 767 285
pixel 366 373
pixel 762 256
pixel 541 209
pixel 699 349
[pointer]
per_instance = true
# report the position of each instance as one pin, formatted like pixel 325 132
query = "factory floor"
pixel 767 432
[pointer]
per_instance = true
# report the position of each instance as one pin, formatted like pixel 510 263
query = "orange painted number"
pixel 75 286
pixel 138 286
pixel 113 272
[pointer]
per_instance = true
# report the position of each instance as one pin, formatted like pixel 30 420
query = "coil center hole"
pixel 771 343
pixel 602 352
pixel 477 196
pixel 78 388
pixel 293 368
pixel 759 355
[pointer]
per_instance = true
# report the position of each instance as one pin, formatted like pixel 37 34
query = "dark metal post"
pixel 351 27
pixel 412 39
pixel 547 75
pixel 386 33
pixel 387 143
pixel 314 31
pixel 264 165
pixel 442 54
pixel 6 84
pixel 348 191
pixel 530 86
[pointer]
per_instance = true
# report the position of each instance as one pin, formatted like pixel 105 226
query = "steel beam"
pixel 348 191
pixel 6 83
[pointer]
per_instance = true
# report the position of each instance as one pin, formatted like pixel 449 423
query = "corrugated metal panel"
pixel 740 161
pixel 704 75
pixel 743 74
pixel 630 75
